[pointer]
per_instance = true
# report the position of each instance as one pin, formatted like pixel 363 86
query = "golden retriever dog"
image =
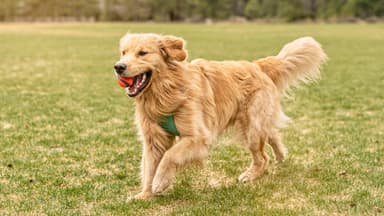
pixel 200 99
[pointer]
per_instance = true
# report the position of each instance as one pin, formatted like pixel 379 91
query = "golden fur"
pixel 206 97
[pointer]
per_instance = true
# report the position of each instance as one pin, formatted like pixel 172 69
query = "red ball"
pixel 125 81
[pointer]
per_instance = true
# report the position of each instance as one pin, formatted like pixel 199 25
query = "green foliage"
pixel 349 9
pixel 172 10
pixel 216 8
pixel 187 10
pixel 270 8
pixel 133 10
pixel 261 8
pixel 291 9
pixel 379 8
pixel 253 9
pixel 367 8
pixel 33 9
pixel 330 8
pixel 7 9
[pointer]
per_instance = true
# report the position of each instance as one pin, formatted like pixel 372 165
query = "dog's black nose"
pixel 120 68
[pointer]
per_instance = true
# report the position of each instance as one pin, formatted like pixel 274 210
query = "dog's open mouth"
pixel 137 84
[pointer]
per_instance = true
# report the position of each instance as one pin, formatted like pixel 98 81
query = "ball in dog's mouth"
pixel 134 85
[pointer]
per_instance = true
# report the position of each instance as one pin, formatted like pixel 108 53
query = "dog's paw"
pixel 160 184
pixel 245 177
pixel 145 195
pixel 163 179
pixel 282 155
pixel 250 175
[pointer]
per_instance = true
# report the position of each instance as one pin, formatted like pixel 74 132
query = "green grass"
pixel 68 144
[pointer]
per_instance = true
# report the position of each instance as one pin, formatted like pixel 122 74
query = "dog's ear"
pixel 173 47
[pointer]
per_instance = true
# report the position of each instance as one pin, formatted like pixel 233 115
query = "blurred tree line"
pixel 187 10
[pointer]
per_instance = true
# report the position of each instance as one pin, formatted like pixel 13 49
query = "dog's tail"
pixel 299 60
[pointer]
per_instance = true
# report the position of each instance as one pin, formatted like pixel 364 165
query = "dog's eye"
pixel 142 53
pixel 123 53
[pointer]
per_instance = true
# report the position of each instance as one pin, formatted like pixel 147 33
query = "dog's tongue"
pixel 125 81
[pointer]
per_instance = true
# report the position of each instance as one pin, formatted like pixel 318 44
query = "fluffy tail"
pixel 299 60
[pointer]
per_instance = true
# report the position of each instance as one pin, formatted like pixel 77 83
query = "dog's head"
pixel 144 56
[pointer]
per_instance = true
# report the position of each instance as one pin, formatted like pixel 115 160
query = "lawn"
pixel 68 144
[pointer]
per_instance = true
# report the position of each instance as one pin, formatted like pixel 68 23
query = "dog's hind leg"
pixel 279 149
pixel 256 125
pixel 256 144
pixel 187 150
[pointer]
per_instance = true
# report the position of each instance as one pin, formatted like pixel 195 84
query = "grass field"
pixel 68 144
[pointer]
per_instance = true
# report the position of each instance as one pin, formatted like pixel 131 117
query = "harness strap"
pixel 168 123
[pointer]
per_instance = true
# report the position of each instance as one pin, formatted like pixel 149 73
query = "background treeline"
pixel 188 10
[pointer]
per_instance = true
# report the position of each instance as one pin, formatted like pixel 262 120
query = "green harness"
pixel 168 123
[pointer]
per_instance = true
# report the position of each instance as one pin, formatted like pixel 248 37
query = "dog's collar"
pixel 168 124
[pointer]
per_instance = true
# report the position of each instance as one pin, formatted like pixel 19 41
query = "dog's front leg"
pixel 188 149
pixel 154 146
